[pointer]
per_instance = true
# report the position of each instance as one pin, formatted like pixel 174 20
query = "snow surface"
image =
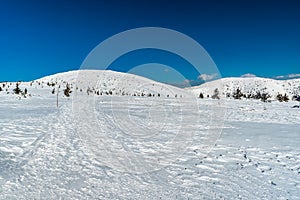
pixel 122 146
pixel 250 85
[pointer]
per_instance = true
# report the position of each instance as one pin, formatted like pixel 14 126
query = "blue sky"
pixel 39 38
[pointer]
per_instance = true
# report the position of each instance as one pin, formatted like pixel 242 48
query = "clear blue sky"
pixel 39 38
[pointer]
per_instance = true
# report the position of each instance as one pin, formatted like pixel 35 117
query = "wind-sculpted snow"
pixel 122 146
pixel 139 135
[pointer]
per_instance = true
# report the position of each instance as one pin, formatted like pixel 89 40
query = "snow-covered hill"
pixel 97 82
pixel 104 82
pixel 250 86
pixel 108 82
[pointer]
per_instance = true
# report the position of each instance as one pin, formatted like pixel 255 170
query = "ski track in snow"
pixel 42 157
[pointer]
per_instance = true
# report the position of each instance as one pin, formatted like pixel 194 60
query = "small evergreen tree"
pixel 279 97
pixel 88 91
pixel 237 94
pixel 257 96
pixel 216 94
pixel 264 97
pixel 67 91
pixel 17 90
pixel 201 96
pixel 296 98
pixel 285 98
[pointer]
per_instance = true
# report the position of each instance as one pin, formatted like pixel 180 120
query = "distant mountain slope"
pixel 250 86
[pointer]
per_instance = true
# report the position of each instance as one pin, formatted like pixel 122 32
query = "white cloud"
pixel 207 77
pixel 294 76
pixel 289 76
pixel 248 75
pixel 279 77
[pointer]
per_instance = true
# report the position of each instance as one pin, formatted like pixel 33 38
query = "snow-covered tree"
pixel 237 94
pixel 216 94
pixel 17 90
pixel 257 96
pixel 265 97
pixel 67 91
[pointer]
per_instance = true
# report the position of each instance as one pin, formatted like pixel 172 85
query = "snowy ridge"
pixel 250 86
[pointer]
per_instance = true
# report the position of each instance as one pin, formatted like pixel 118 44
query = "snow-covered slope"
pixel 99 151
pixel 105 82
pixel 227 86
